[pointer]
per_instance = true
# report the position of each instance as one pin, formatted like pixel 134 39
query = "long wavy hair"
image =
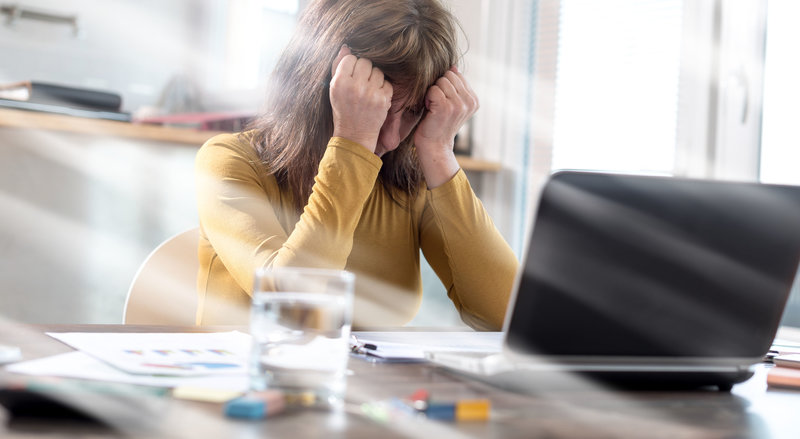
pixel 414 42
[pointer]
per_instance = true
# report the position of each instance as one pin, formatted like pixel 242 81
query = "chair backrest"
pixel 164 290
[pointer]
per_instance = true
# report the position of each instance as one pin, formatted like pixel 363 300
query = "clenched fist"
pixel 360 99
pixel 450 103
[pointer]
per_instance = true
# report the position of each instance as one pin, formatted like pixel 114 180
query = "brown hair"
pixel 413 42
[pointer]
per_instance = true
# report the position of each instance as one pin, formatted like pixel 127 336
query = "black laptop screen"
pixel 656 266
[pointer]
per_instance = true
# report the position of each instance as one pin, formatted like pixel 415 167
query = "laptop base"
pixel 497 370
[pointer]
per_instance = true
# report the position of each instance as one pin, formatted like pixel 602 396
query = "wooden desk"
pixel 749 411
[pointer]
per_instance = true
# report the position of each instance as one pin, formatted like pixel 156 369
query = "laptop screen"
pixel 622 265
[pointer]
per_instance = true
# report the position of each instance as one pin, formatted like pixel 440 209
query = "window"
pixel 780 139
pixel 256 27
pixel 616 88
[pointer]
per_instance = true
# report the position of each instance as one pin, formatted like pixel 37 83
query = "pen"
pixel 419 403
pixel 461 410
pixel 361 348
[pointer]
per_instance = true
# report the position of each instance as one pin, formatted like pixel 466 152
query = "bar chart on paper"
pixel 190 354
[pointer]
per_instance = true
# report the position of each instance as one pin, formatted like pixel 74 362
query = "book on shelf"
pixel 62 99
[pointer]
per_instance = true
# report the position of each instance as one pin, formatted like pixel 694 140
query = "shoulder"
pixel 228 150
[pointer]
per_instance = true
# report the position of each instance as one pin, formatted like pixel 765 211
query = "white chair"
pixel 164 290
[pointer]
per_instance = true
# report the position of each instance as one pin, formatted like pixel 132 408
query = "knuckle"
pixel 347 61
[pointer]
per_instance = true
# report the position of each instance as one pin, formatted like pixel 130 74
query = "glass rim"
pixel 308 271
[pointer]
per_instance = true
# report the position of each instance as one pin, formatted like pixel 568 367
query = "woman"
pixel 352 167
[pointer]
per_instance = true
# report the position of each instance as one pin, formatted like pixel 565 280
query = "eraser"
pixel 441 411
pixel 256 405
pixel 246 408
pixel 473 410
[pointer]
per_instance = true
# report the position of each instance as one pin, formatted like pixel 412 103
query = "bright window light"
pixel 617 85
pixel 780 138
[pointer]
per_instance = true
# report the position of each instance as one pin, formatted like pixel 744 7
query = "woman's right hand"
pixel 360 98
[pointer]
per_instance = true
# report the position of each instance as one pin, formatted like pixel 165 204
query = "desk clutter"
pixel 144 371
pixel 260 405
pixel 786 372
pixel 785 354
pixel 381 399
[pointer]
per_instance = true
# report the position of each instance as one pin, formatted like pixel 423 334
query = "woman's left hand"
pixel 450 103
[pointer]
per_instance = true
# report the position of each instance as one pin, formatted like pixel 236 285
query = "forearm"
pixel 250 222
pixel 323 237
pixel 438 166
pixel 468 254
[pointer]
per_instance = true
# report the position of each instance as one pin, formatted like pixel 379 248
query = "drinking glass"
pixel 300 322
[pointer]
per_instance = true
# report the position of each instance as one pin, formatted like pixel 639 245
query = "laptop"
pixel 645 282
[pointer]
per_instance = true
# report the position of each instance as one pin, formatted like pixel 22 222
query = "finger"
pixel 454 79
pixel 388 92
pixel 363 69
pixel 463 79
pixel 346 66
pixel 376 76
pixel 434 97
pixel 447 87
pixel 343 51
pixel 466 92
pixel 388 88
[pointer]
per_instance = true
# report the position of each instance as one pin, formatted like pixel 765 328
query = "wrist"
pixel 438 166
pixel 368 141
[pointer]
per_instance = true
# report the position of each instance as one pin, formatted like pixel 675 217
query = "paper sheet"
pixel 412 346
pixel 170 354
pixel 80 365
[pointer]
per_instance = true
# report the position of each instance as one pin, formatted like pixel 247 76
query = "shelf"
pixel 71 124
pixel 472 164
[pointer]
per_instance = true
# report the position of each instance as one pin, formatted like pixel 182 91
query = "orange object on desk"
pixel 780 376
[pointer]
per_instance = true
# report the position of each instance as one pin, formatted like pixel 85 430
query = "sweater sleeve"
pixel 467 252
pixel 240 212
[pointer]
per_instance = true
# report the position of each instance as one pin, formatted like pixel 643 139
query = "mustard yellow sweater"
pixel 350 222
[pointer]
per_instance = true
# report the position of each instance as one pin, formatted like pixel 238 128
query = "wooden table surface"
pixel 749 411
